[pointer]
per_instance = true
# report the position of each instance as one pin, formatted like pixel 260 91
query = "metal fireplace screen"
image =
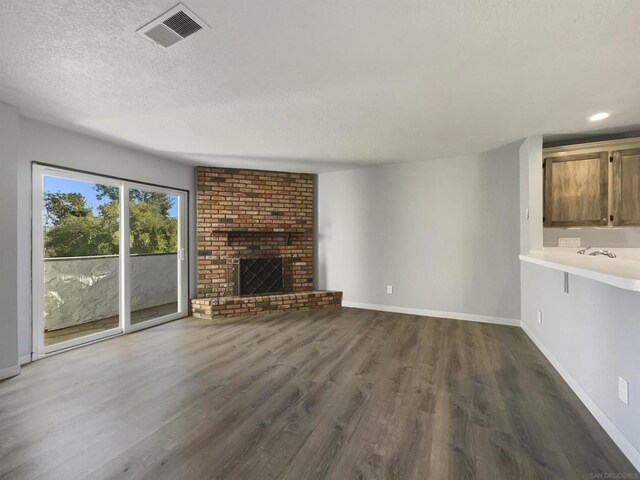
pixel 257 276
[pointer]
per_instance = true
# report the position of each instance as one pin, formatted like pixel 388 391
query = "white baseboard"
pixel 9 372
pixel 470 317
pixel 616 435
pixel 24 359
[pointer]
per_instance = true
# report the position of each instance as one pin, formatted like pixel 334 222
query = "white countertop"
pixel 621 272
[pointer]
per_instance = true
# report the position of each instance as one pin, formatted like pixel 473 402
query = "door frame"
pixel 39 171
pixel 181 258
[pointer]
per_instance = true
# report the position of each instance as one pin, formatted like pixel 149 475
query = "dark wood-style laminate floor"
pixel 76 331
pixel 336 393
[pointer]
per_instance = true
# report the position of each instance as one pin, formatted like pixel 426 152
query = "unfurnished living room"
pixel 319 239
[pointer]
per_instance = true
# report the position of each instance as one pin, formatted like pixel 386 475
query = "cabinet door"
pixel 626 187
pixel 576 190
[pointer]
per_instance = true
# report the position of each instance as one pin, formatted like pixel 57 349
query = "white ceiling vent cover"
pixel 172 26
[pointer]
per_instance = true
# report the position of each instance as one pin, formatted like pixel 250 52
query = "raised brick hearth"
pixel 236 306
pixel 252 213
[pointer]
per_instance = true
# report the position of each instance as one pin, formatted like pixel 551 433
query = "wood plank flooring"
pixel 76 331
pixel 336 393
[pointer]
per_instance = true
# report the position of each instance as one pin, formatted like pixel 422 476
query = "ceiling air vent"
pixel 172 26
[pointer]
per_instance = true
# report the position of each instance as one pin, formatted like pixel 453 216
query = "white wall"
pixel 84 289
pixel 9 152
pixel 531 225
pixel 622 237
pixel 444 233
pixel 41 142
pixel 591 334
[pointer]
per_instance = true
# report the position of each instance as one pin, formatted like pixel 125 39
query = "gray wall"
pixel 597 237
pixel 41 142
pixel 9 151
pixel 444 233
pixel 530 154
pixel 593 332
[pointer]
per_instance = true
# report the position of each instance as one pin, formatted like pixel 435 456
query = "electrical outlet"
pixel 569 242
pixel 389 289
pixel 623 390
pixel 539 316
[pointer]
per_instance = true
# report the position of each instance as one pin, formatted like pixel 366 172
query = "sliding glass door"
pixel 103 266
pixel 155 255
pixel 80 246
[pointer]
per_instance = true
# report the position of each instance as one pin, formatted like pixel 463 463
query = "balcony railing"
pixel 80 290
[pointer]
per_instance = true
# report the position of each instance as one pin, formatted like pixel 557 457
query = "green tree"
pixel 79 237
pixel 74 230
pixel 112 193
pixel 151 230
pixel 59 206
pixel 161 200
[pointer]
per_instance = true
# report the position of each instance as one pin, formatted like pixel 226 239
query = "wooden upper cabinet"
pixel 625 173
pixel 576 190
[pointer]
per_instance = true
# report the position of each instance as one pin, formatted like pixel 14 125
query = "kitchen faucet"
pixel 603 252
pixel 597 252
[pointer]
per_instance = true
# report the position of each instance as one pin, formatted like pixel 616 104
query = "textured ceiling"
pixel 324 85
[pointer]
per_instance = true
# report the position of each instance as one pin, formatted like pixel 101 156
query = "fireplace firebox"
pixel 260 275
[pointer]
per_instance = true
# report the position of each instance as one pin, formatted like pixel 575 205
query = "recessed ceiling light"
pixel 599 116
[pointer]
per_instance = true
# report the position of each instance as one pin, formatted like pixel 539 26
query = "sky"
pixel 64 185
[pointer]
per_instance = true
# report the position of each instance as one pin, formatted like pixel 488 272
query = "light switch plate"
pixel 623 390
pixel 569 242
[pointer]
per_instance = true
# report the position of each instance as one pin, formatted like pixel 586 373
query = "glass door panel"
pixel 154 241
pixel 80 289
pixel 103 266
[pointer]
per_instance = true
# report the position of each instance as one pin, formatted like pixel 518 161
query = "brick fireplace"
pixel 255 217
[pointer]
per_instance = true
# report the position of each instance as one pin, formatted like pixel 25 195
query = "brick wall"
pixel 238 306
pixel 245 213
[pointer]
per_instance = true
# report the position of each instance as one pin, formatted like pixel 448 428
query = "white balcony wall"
pixel 83 289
